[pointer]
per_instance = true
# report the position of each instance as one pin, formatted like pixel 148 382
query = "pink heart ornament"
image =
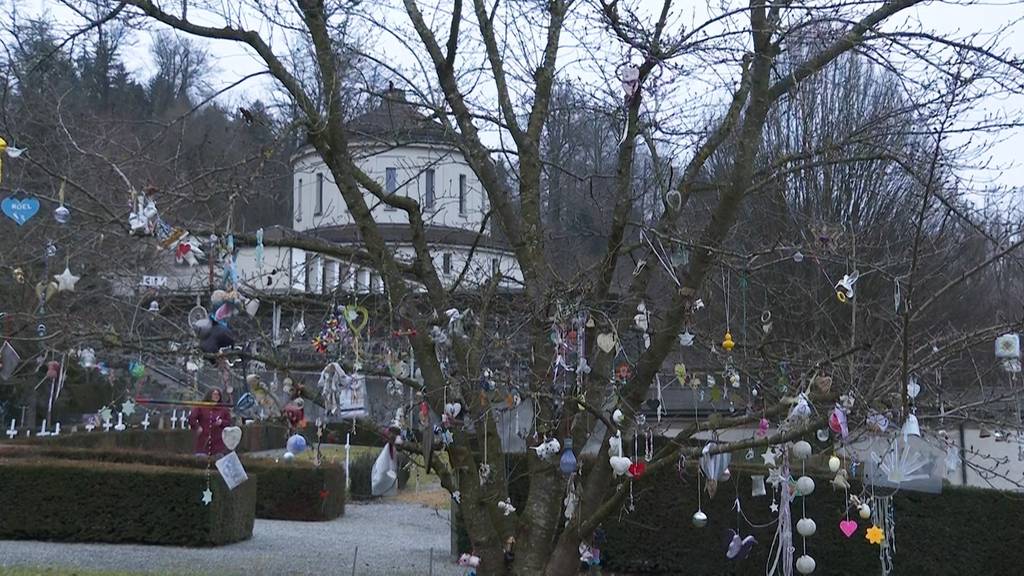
pixel 848 527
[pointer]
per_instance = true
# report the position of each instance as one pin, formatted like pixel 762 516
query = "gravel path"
pixel 394 539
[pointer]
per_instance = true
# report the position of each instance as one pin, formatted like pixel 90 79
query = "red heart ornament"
pixel 637 469
pixel 848 527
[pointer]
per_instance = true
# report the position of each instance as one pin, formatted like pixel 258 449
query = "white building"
pixel 408 155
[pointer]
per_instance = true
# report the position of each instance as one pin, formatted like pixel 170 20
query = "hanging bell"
pixel 727 342
pixel 758 485
pixel 154 306
pixel 911 427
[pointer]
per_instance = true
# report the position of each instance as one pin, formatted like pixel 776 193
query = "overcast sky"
pixel 1004 152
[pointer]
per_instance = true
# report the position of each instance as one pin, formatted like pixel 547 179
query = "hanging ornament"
pixel 700 519
pixel 1008 352
pixel 834 463
pixel 8 150
pixel 766 321
pixel 757 488
pixel 20 207
pixel 913 387
pixel 801 450
pixel 61 214
pixel 844 288
pixel 837 422
pixel 567 463
pixel 739 547
pixel 713 466
pixel 66 280
pixel 727 342
pixel 805 564
pixel 686 338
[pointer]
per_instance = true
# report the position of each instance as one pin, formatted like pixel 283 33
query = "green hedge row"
pixel 255 438
pixel 961 531
pixel 81 501
pixel 298 492
pixel 295 490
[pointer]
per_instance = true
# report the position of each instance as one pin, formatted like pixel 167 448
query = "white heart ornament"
pixel 453 409
pixel 231 436
pixel 606 342
pixel 620 464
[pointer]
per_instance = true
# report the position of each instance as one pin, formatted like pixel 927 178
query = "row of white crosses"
pixel 12 431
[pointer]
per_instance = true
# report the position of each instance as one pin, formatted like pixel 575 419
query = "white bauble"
pixel 806 527
pixel 864 511
pixel 805 564
pixel 834 463
pixel 288 456
pixel 618 417
pixel 802 450
pixel 805 485
pixel 700 519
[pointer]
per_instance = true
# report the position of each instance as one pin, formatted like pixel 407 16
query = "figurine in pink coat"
pixel 207 422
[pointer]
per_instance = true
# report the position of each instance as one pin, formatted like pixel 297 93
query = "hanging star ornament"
pixel 128 407
pixel 774 477
pixel 875 535
pixel 207 497
pixel 769 457
pixel 66 280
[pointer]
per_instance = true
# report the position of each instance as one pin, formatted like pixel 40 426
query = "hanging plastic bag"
pixel 384 476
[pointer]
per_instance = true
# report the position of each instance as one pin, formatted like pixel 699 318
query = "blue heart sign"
pixel 20 210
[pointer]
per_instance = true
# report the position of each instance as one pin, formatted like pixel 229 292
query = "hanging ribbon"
pixel 780 555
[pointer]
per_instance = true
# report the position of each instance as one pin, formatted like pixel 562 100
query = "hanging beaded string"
pixel 50 251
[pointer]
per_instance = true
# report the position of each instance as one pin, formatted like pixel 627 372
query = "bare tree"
pixel 766 52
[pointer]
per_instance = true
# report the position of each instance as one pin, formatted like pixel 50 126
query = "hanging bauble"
pixel 834 463
pixel 618 417
pixel 801 450
pixel 805 485
pixel 806 527
pixel 805 564
pixel 864 511
pixel 62 214
pixel 700 519
pixel 727 342
pixel 137 369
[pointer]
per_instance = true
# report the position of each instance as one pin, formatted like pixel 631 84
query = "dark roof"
pixel 394 121
pixel 402 233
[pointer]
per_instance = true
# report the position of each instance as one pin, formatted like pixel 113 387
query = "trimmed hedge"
pixel 961 531
pixel 299 492
pixel 296 490
pixel 255 437
pixel 79 501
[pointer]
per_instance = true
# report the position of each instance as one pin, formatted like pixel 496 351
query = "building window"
pixel 495 267
pixel 318 205
pixel 298 202
pixel 390 183
pixel 462 194
pixel 428 187
pixel 446 263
